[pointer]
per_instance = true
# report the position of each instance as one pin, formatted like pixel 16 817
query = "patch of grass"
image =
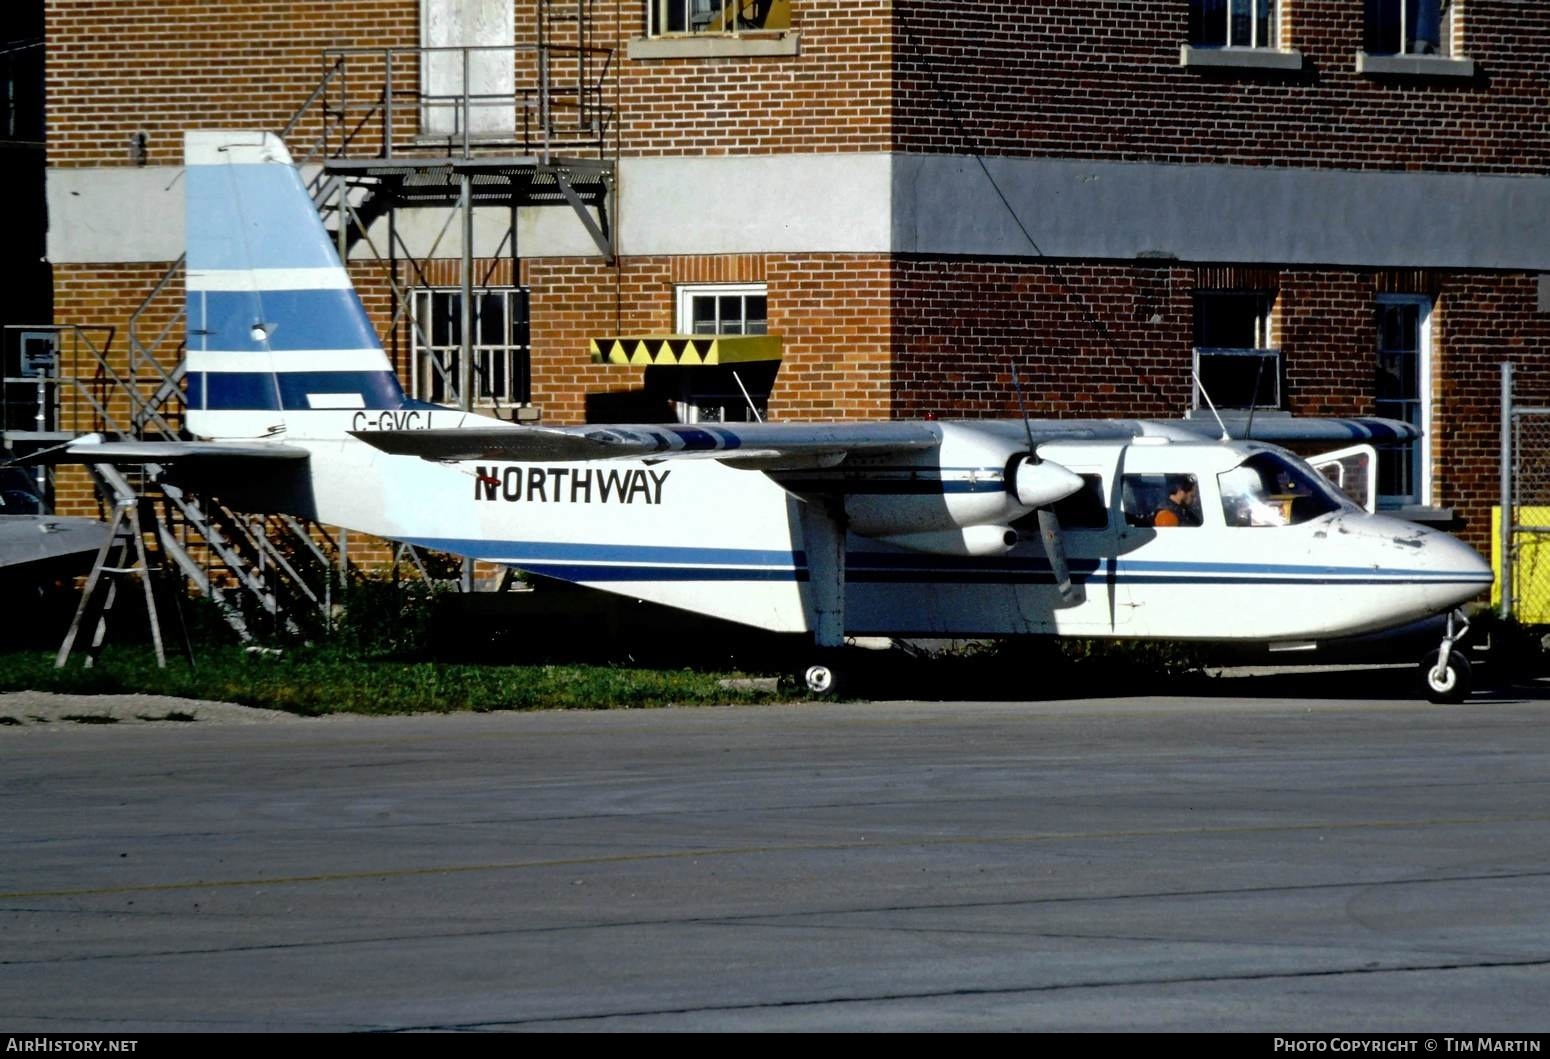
pixel 314 681
pixel 89 718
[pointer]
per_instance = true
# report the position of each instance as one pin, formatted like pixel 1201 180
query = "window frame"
pixel 1273 57
pixel 658 11
pixel 687 292
pixel 517 388
pixel 1420 455
pixel 1446 13
pixel 1270 35
pixel 1262 349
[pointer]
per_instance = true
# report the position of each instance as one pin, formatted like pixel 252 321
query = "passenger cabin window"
pixel 1161 500
pixel 716 16
pixel 1269 490
pixel 1085 509
pixel 1409 27
pixel 1232 23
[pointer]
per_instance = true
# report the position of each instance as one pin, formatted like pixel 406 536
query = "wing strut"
pixel 823 539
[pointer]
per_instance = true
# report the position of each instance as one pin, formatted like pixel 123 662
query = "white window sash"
pixel 1423 461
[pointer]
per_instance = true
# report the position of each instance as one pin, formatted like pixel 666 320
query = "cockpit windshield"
pixel 1267 489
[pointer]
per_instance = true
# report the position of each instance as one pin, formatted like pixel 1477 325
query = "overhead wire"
pixel 1073 293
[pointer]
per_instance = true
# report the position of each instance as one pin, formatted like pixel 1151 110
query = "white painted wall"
pixel 462 23
pixel 879 203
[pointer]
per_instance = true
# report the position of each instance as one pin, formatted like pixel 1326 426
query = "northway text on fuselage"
pixel 568 485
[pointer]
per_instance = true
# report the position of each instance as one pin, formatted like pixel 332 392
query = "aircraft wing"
pixel 1297 428
pixel 786 446
pixel 763 445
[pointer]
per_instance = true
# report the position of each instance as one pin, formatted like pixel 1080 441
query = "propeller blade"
pixel 1055 551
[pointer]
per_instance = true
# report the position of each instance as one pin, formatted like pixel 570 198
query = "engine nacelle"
pixel 973 479
pixel 1041 484
pixel 971 540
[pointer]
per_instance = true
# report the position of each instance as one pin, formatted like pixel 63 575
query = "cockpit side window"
pixel 1162 500
pixel 1267 489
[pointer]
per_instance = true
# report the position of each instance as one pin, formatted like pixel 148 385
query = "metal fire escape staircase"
pixel 371 139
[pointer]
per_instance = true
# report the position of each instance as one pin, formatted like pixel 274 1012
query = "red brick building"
pixel 1322 206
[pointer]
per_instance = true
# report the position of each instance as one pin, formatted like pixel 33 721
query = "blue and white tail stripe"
pixel 274 323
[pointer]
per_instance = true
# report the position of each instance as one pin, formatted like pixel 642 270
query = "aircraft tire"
pixel 821 680
pixel 1455 682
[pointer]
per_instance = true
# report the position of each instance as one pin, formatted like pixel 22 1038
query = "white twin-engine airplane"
pixel 1092 528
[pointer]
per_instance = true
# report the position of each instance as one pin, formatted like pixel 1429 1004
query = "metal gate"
pixel 1521 548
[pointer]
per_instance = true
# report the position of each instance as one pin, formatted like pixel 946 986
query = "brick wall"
pixel 1116 341
pixel 1088 340
pixel 163 66
pixel 834 96
pixel 1483 320
pixel 1103 80
pixel 830 309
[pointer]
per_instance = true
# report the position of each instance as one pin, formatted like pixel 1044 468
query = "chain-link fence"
pixel 1521 543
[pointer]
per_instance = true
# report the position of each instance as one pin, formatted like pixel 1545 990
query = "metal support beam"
pixel 1505 495
pixel 601 236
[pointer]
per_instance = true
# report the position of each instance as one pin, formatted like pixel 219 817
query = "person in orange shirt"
pixel 1182 508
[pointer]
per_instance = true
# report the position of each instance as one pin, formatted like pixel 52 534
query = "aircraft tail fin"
pixel 278 340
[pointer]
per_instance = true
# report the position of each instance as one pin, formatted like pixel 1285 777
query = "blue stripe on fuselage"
pixel 633 562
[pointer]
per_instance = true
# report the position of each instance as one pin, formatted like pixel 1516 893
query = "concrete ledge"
pixel 715 46
pixel 1414 66
pixel 1239 58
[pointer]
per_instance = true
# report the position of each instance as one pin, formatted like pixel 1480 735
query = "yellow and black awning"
pixel 685 350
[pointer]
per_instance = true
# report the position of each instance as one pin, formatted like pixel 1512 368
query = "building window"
pixel 1235 367
pixel 716 16
pixel 500 344
pixel 1404 393
pixel 1409 27
pixel 722 309
pixel 1232 23
pixel 719 394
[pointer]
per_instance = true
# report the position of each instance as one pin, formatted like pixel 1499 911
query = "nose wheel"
pixel 1448 683
pixel 1445 674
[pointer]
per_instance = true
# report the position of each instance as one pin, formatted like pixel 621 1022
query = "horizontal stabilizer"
pixel 92 448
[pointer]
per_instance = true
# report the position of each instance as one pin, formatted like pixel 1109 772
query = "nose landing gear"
pixel 1446 674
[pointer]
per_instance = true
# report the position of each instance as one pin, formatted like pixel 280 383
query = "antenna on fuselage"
pixel 1209 404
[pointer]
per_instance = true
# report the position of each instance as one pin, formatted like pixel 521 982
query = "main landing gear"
pixel 821 680
pixel 1445 672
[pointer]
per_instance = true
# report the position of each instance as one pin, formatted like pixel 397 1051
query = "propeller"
pixel 1035 480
